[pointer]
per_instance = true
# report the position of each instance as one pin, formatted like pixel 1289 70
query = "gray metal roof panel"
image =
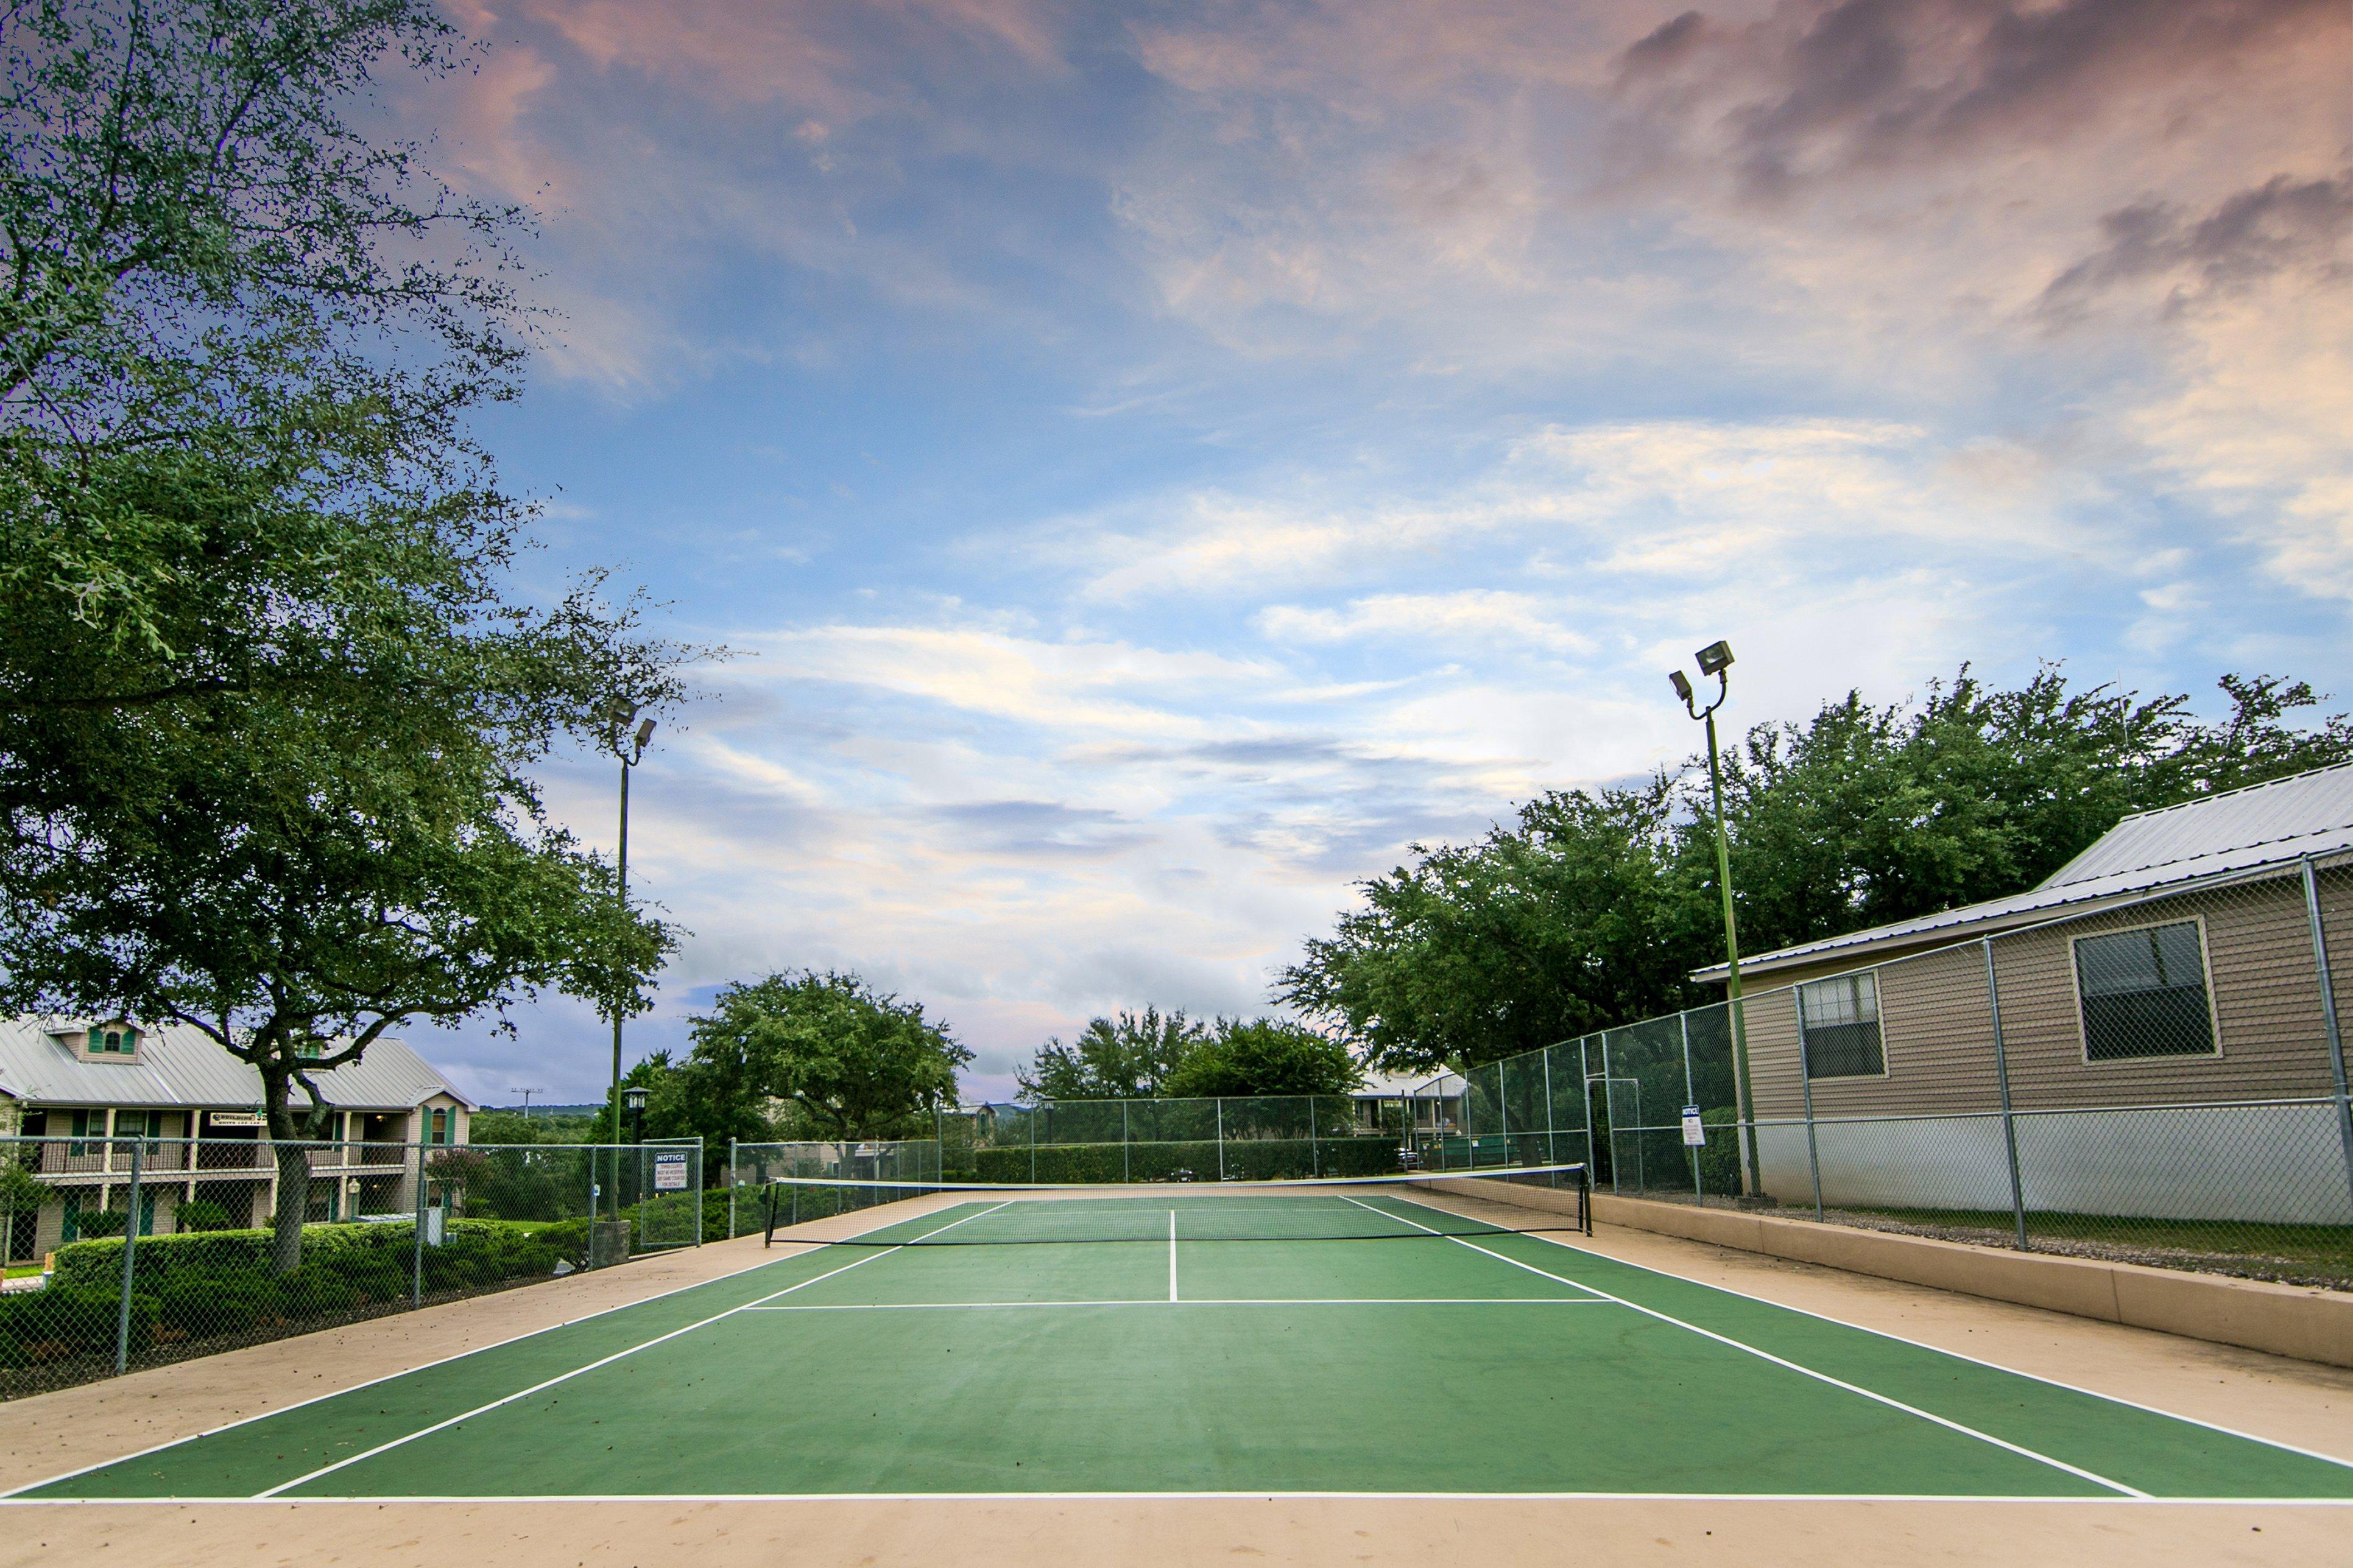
pixel 2238 831
pixel 179 1065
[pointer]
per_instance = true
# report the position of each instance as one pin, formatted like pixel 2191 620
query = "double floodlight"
pixel 634 1097
pixel 620 711
pixel 1713 659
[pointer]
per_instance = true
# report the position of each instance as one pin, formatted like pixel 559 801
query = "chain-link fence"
pixel 2160 1081
pixel 751 1166
pixel 1234 1139
pixel 129 1251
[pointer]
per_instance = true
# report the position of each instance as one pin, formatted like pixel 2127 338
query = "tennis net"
pixel 1529 1198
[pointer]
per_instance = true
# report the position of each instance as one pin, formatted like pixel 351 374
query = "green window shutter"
pixel 97 1041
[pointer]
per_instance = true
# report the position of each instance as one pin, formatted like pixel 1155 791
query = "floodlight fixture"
pixel 1714 657
pixel 1682 684
pixel 634 1097
pixel 646 732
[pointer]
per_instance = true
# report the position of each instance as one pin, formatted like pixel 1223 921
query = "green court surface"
pixel 1210 1344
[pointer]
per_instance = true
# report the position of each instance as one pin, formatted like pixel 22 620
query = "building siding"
pixel 1936 1026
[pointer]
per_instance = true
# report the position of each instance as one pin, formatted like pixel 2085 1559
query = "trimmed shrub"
pixel 60 1324
pixel 202 1214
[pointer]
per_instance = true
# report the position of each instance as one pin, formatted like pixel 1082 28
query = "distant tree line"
pixel 1151 1055
pixel 1593 908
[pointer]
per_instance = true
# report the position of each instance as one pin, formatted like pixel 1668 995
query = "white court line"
pixel 607 1361
pixel 809 1249
pixel 2117 1399
pixel 1196 1301
pixel 536 1499
pixel 1873 1395
pixel 1172 1255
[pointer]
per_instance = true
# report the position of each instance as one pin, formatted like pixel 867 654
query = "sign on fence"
pixel 669 1170
pixel 1694 1130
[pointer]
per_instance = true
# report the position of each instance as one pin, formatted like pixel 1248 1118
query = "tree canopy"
pixel 1593 907
pixel 1264 1056
pixel 271 705
pixel 1140 1056
pixel 857 1062
pixel 1124 1058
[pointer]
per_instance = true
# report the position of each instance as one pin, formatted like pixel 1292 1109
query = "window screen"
pixel 2144 994
pixel 1841 1020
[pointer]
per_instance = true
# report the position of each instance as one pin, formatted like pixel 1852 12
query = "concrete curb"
pixel 2284 1319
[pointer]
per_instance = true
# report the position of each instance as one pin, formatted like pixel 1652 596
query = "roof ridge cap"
pixel 2234 789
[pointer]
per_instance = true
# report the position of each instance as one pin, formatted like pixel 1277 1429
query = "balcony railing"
pixel 99 1158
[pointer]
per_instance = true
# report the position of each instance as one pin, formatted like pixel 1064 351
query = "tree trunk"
pixel 286 1135
pixel 293 1200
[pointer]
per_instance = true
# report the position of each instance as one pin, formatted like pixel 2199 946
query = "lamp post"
pixel 634 1097
pixel 631 749
pixel 1715 659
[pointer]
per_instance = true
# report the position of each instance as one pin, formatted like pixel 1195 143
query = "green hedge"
pixel 205 1284
pixel 63 1324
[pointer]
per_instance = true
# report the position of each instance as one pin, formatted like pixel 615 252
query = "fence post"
pixel 1806 1085
pixel 1314 1152
pixel 417 1261
pixel 1123 1173
pixel 2328 1018
pixel 130 1245
pixel 1551 1151
pixel 1033 1145
pixel 1222 1138
pixel 2009 1121
pixel 1585 1101
pixel 1690 1097
pixel 731 1182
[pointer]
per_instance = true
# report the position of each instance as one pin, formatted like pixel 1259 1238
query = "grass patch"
pixel 2319 1249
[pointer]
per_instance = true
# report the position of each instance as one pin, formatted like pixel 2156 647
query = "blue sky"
pixel 1155 462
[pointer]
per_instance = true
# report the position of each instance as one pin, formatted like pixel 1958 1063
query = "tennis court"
pixel 1363 1338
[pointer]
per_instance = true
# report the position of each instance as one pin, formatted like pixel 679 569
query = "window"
pixel 2144 994
pixel 86 1125
pixel 1839 1023
pixel 113 1040
pixel 438 1121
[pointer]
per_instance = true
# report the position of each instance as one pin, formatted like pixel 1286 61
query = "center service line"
pixel 607 1361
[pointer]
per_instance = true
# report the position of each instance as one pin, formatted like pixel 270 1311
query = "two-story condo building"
pixel 85 1087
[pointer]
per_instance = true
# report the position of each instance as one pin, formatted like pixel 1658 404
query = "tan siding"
pixel 2266 1005
pixel 1773 1054
pixel 1936 1032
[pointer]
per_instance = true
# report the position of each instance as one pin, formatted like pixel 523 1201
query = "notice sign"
pixel 669 1170
pixel 1694 1130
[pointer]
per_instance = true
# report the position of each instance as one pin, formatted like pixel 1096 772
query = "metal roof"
pixel 182 1066
pixel 2236 833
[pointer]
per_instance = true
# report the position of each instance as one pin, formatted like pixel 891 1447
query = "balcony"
pixel 101 1156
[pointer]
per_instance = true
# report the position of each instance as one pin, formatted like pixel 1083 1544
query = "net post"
pixel 1584 1198
pixel 768 1230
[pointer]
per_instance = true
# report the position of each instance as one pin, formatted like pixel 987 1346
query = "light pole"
pixel 1715 659
pixel 631 750
pixel 634 1097
pixel 526 1093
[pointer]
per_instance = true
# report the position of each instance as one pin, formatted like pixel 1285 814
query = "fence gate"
pixel 1621 1106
